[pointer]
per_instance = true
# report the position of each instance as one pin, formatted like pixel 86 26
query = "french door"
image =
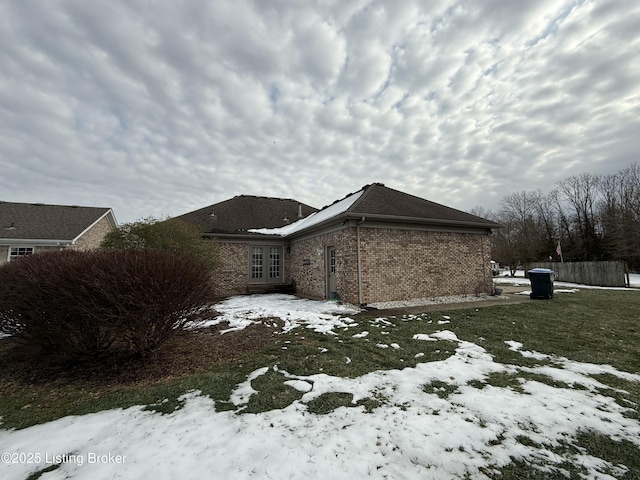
pixel 266 264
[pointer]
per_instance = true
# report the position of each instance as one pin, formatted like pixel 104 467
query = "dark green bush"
pixel 96 304
pixel 172 235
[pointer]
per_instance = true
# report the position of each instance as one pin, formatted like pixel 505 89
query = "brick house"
pixel 375 245
pixel 27 228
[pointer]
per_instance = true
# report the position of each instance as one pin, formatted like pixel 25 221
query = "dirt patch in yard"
pixel 185 354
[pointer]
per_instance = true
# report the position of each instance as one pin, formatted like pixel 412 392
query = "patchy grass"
pixel 440 388
pixel 626 393
pixel 622 457
pixel 582 327
pixel 328 402
pixel 514 381
pixel 592 326
pixel 33 392
pixel 272 393
pixel 39 473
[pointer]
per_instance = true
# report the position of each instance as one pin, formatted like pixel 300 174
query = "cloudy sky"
pixel 160 107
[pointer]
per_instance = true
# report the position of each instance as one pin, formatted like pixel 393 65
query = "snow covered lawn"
pixel 461 412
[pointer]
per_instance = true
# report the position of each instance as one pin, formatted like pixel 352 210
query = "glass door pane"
pixel 256 262
pixel 274 263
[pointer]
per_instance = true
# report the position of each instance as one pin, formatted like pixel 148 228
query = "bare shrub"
pixel 109 303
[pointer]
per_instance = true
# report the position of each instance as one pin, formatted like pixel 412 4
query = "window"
pixel 17 252
pixel 274 262
pixel 332 261
pixel 266 263
pixel 256 262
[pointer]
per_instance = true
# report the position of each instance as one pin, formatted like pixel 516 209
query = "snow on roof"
pixel 314 219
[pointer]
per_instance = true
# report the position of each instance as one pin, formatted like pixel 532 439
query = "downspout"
pixel 359 260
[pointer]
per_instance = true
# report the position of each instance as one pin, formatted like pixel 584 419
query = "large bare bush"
pixel 113 303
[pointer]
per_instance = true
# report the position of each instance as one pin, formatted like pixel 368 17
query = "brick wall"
pixel 231 275
pixel 406 264
pixel 396 264
pixel 310 279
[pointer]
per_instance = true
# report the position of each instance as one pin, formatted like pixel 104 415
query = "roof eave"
pixel 35 241
pixel 397 219
pixel 349 216
pixel 424 221
pixel 242 236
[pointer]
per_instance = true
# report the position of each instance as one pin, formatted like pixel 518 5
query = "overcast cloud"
pixel 162 107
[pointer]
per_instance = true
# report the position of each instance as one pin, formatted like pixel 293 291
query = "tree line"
pixel 590 217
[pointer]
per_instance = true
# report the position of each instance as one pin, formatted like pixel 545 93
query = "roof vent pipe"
pixel 300 211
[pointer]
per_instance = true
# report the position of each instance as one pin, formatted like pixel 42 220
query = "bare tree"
pixel 581 193
pixel 594 217
pixel 546 215
pixel 620 215
pixel 528 237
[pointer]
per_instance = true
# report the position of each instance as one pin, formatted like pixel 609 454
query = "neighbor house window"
pixel 17 252
pixel 266 263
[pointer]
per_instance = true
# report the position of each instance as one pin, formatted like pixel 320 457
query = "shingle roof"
pixel 244 212
pixel 37 221
pixel 380 203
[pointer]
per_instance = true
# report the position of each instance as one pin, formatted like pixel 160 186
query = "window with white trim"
pixel 17 252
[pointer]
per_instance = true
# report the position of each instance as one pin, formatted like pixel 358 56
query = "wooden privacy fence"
pixel 603 274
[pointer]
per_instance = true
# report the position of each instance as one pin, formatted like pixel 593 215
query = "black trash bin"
pixel 541 283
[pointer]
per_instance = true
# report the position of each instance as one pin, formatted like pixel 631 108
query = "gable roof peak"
pixel 39 221
pixel 244 212
pixel 390 203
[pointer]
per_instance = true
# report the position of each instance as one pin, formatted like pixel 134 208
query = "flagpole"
pixel 559 252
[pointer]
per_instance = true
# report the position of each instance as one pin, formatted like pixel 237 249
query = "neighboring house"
pixel 375 245
pixel 27 228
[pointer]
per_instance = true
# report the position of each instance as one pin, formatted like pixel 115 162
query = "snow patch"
pixel 299 385
pixel 320 316
pixel 425 337
pixel 414 435
pixel 244 391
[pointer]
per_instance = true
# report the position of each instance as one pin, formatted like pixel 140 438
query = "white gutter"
pixel 34 241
